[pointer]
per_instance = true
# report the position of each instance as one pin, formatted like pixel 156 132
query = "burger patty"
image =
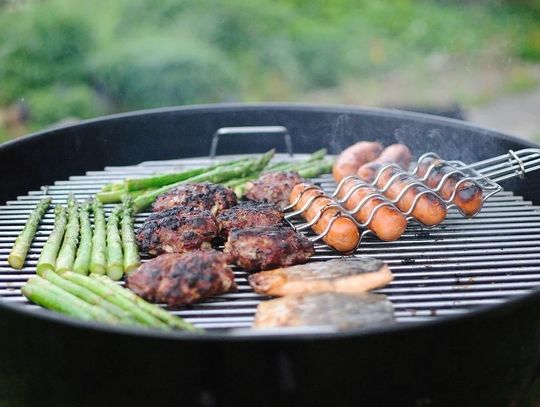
pixel 178 279
pixel 248 214
pixel 263 248
pixel 274 187
pixel 177 230
pixel 204 196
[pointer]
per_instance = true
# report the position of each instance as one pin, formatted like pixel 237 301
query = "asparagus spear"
pixel 98 258
pixel 217 175
pixel 89 296
pixel 104 291
pixel 82 261
pixel 115 258
pixel 283 166
pixel 114 186
pixel 316 169
pixel 41 295
pixel 24 240
pixel 50 296
pixel 47 258
pixel 66 256
pixel 156 181
pixel 158 312
pixel 131 252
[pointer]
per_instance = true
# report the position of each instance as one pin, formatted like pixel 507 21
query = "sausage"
pixel 429 209
pixel 468 197
pixel 354 157
pixel 344 235
pixel 388 223
pixel 396 153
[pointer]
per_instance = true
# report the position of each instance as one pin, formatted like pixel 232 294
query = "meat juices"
pixel 176 231
pixel 263 248
pixel 178 279
pixel 346 275
pixel 338 310
pixel 274 187
pixel 249 214
pixel 204 196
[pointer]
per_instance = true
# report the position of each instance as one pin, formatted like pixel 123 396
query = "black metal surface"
pixel 481 358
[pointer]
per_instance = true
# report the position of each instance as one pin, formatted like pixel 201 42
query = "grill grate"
pixel 450 269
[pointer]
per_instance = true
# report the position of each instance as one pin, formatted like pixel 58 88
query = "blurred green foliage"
pixel 57 102
pixel 66 58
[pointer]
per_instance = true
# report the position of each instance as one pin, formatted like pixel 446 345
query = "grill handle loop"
pixel 256 130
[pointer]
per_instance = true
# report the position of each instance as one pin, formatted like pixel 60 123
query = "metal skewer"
pixel 485 174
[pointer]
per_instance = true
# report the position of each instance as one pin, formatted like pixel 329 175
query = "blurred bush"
pixel 156 71
pixel 140 54
pixel 41 46
pixel 52 104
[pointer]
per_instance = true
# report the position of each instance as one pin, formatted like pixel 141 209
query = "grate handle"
pixel 256 130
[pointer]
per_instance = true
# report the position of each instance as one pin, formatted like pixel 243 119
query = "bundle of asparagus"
pixel 98 298
pixel 234 174
pixel 106 250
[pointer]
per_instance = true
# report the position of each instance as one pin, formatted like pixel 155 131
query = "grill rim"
pixel 381 113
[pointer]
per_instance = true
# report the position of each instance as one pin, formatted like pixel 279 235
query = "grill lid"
pixel 451 269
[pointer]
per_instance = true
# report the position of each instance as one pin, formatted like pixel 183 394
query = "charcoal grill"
pixel 464 292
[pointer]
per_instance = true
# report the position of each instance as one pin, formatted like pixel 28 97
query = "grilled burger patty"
pixel 274 187
pixel 178 279
pixel 204 196
pixel 263 248
pixel 177 230
pixel 249 214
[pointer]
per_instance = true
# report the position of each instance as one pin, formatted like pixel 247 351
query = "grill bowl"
pixel 482 357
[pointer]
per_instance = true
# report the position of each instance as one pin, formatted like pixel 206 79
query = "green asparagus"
pixel 115 258
pixel 131 252
pixel 41 295
pixel 63 301
pixel 24 240
pixel 89 296
pixel 316 169
pixel 156 181
pixel 155 310
pixel 82 260
pixel 284 166
pixel 98 258
pixel 47 258
pixel 104 291
pixel 66 256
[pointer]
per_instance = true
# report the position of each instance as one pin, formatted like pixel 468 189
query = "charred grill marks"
pixel 249 214
pixel 177 230
pixel 274 187
pixel 178 279
pixel 263 248
pixel 204 196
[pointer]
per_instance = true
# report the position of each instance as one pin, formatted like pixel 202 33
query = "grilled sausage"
pixel 344 235
pixel 429 209
pixel 468 197
pixel 388 223
pixel 396 153
pixel 354 157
